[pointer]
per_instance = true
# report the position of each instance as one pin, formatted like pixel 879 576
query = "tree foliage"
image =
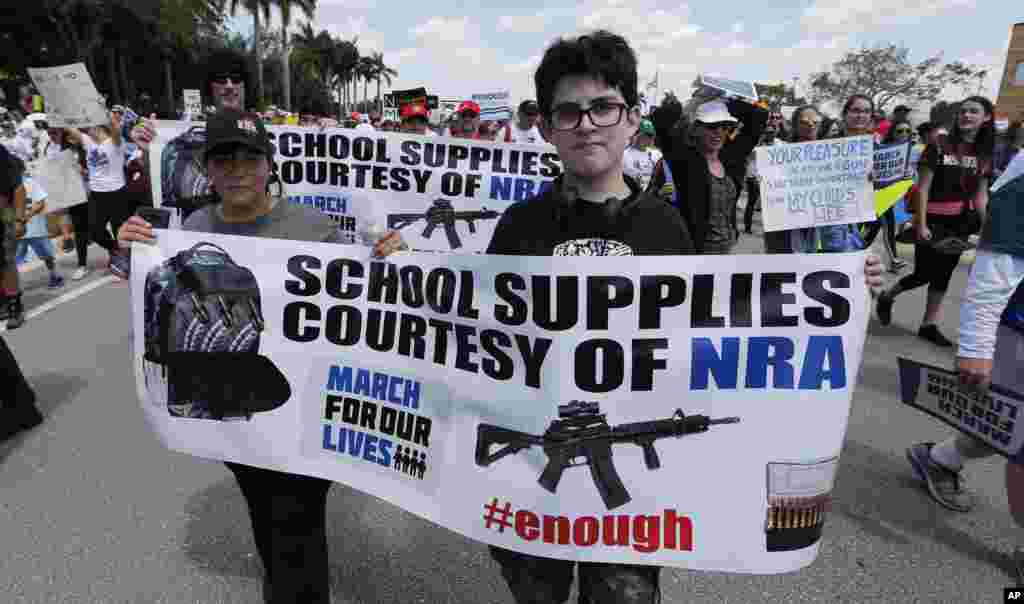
pixel 886 74
pixel 145 52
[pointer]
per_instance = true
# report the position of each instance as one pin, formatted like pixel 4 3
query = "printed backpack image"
pixel 202 320
pixel 183 180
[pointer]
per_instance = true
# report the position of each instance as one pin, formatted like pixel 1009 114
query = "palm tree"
pixel 308 7
pixel 383 72
pixel 366 70
pixel 256 7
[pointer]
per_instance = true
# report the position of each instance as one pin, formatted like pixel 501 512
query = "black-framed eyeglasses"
pixel 570 115
pixel 222 78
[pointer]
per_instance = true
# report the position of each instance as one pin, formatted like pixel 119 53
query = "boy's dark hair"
pixel 601 55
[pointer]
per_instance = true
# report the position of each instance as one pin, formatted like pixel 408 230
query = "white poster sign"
pixel 993 416
pixel 193 102
pixel 816 183
pixel 61 178
pixel 466 388
pixel 72 100
pixel 443 194
pixel 494 106
pixel 891 164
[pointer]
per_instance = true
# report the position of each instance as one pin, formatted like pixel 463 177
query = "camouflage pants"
pixel 537 580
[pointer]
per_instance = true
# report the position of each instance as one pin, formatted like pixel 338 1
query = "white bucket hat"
pixel 714 112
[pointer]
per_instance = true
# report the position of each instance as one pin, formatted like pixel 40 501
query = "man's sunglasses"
pixel 222 78
pixel 906 131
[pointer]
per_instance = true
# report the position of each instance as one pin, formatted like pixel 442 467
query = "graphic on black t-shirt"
pixel 592 247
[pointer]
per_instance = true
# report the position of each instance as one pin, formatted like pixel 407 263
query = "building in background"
pixel 1010 104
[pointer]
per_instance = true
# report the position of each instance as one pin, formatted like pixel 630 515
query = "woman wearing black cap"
pixel 287 510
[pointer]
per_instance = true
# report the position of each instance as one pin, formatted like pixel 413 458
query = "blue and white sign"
pixel 745 90
pixel 816 183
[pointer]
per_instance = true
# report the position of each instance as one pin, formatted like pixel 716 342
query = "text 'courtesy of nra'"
pixel 433 314
pixel 361 162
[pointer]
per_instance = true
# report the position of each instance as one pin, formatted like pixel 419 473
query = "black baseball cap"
pixel 234 127
pixel 901 108
pixel 529 107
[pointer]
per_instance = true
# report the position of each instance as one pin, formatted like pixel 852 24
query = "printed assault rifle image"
pixel 441 212
pixel 581 432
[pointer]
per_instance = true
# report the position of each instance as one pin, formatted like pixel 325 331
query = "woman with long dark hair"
pixel 803 127
pixel 856 119
pixel 954 176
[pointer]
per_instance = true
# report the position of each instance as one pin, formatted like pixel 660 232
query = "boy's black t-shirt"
pixel 547 226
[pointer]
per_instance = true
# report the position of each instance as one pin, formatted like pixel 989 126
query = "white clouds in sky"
pixel 461 54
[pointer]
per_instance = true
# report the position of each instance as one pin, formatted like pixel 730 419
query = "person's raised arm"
pixel 755 120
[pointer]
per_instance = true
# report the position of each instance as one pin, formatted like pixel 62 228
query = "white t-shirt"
pixel 640 163
pixel 513 134
pixel 106 165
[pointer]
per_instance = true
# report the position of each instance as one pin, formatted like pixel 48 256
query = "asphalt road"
pixel 94 510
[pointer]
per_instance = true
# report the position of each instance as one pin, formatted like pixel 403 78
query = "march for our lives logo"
pixel 381 421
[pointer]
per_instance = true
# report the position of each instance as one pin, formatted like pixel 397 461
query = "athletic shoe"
pixel 883 308
pixel 15 312
pixel 944 485
pixel 56 281
pixel 79 273
pixel 120 265
pixel 933 335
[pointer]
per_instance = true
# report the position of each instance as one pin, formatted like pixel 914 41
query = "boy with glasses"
pixel 587 95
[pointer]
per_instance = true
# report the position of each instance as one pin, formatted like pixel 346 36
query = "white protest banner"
pixel 992 416
pixel 494 106
pixel 443 194
pixel 816 183
pixel 72 100
pixel 61 178
pixel 443 383
pixel 744 90
pixel 193 102
pixel 891 164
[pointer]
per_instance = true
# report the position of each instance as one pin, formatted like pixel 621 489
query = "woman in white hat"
pixel 709 171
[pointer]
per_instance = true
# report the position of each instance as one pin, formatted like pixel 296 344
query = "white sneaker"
pixel 79 273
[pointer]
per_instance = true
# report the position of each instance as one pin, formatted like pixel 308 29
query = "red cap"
pixel 469 106
pixel 356 116
pixel 415 110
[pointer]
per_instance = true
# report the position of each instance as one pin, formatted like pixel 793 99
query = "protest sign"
pixel 442 384
pixel 443 194
pixel 193 102
pixel 990 416
pixel 816 183
pixel 744 90
pixel 494 106
pixel 71 96
pixel 891 164
pixel 891 195
pixel 61 178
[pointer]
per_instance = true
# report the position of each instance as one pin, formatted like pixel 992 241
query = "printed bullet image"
pixel 799 499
